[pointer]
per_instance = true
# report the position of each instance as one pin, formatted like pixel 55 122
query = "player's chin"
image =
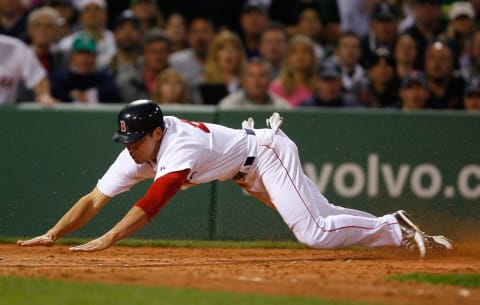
pixel 139 161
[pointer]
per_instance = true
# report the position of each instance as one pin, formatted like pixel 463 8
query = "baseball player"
pixel 178 154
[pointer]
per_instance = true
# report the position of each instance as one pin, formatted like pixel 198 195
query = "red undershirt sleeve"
pixel 161 191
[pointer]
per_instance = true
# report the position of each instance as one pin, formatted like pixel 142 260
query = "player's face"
pixel 146 148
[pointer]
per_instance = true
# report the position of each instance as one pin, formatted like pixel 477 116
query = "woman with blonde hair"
pixel 223 67
pixel 296 81
pixel 170 88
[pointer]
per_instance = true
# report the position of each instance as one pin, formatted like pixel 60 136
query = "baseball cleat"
pixel 438 243
pixel 274 122
pixel 413 239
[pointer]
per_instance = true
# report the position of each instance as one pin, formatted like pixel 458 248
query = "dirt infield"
pixel 352 274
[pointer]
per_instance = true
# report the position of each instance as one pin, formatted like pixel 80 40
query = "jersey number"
pixel 200 125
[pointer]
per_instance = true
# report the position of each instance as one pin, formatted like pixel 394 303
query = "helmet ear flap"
pixel 137 119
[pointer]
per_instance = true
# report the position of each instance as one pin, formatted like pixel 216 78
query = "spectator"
pixel 310 24
pixel 413 92
pixel 446 88
pixel 149 14
pixel 473 67
pixel 273 45
pixel 81 82
pixel 428 25
pixel 190 62
pixel 459 32
pixel 330 15
pixel 19 63
pixel 383 30
pixel 176 30
pixel 170 88
pixel 255 81
pixel 354 77
pixel 93 19
pixel 41 28
pixel 68 21
pixel 139 83
pixel 476 8
pixel 42 31
pixel 329 88
pixel 406 7
pixel 471 98
pixel 13 21
pixel 128 38
pixel 383 84
pixel 253 19
pixel 354 15
pixel 296 82
pixel 288 11
pixel 405 54
pixel 224 66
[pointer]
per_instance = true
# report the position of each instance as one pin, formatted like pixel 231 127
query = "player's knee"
pixel 316 240
pixel 308 240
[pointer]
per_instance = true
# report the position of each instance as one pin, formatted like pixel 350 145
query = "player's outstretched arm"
pixel 82 211
pixel 142 212
pixel 135 219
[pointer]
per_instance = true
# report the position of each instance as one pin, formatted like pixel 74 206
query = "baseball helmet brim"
pixel 128 137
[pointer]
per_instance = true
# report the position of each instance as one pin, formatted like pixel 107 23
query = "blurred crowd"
pixel 400 54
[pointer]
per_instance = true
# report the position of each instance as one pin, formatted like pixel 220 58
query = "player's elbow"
pixel 97 199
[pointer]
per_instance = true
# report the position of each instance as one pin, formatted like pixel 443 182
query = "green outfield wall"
pixel 425 162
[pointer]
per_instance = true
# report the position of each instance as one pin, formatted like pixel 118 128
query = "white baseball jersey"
pixel 274 173
pixel 17 63
pixel 210 151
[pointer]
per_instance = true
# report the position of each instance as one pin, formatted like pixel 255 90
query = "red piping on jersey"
pixel 306 206
pixel 161 191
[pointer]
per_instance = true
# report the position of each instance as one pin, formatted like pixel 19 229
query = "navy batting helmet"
pixel 137 119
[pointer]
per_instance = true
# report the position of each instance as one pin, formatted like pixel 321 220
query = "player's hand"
pixel 42 240
pixel 98 244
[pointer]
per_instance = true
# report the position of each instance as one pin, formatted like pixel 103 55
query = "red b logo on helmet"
pixel 123 126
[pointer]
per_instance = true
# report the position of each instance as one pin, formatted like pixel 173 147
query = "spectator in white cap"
pixel 459 31
pixel 93 18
